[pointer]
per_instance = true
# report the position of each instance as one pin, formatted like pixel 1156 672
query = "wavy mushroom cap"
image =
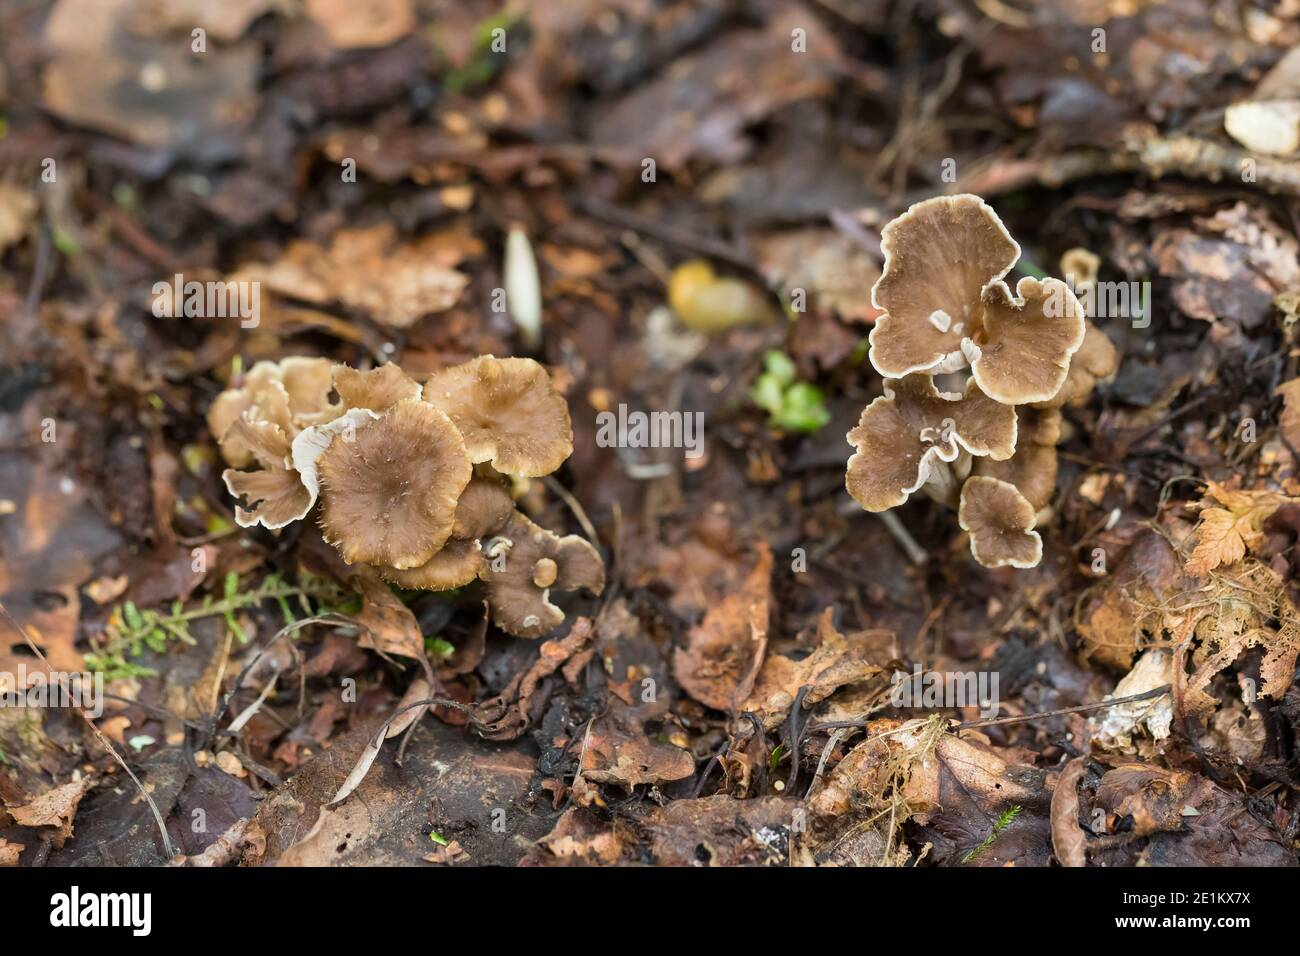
pixel 1080 267
pixel 379 389
pixel 1022 351
pixel 1000 521
pixel 276 496
pixel 483 508
pixel 308 382
pixel 261 397
pixel 508 412
pixel 1034 466
pixel 389 490
pixel 525 562
pixel 939 256
pixel 459 563
pixel 1096 360
pixel 903 434
pixel 946 305
pixel 293 394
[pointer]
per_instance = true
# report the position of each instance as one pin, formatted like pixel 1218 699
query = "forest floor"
pixel 731 695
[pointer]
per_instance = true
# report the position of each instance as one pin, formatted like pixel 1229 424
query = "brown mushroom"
pixel 308 382
pixel 378 389
pixel 525 562
pixel 1033 468
pixel 939 256
pixel 1000 521
pixel 458 563
pixel 1022 351
pixel 508 412
pixel 260 397
pixel 1080 268
pixel 483 508
pixel 1096 360
pixel 946 304
pixel 390 488
pixel 914 436
pixel 276 496
pixel 293 394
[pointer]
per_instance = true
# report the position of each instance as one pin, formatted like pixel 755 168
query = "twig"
pixel 1142 150
pixel 914 551
pixel 1065 711
pixel 575 506
pixel 666 233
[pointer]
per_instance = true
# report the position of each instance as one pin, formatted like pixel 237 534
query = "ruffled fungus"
pixel 910 436
pixel 1000 521
pixel 989 451
pixel 509 412
pixel 946 305
pixel 378 389
pixel 525 562
pixel 293 393
pixel 391 490
pixel 275 495
pixel 483 508
pixel 392 464
pixel 1032 469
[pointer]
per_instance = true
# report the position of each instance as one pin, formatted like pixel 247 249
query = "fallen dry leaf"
pixel 1126 611
pixel 1068 839
pixel 618 750
pixel 508 715
pixel 1226 533
pixel 369 269
pixel 839 660
pixel 54 808
pixel 1187 819
pixel 9 852
pixel 1251 608
pixel 723 650
pixel 353 24
pixel 387 624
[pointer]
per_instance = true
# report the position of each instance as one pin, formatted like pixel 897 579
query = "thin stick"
pixel 1064 711
pixel 914 551
pixel 575 506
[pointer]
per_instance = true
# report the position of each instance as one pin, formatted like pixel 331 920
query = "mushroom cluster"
pixel 975 378
pixel 412 482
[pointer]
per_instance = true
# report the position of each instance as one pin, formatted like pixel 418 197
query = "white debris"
pixel 1271 127
pixel 1113 729
pixel 523 287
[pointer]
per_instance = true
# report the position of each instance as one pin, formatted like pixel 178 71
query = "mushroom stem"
pixel 915 552
pixel 944 483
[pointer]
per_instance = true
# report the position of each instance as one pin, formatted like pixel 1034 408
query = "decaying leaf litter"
pixel 665 207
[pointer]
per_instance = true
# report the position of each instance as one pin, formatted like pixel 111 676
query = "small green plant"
pixel 778 752
pixel 438 648
pixel 1002 823
pixel 486 60
pixel 132 629
pixel 791 405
